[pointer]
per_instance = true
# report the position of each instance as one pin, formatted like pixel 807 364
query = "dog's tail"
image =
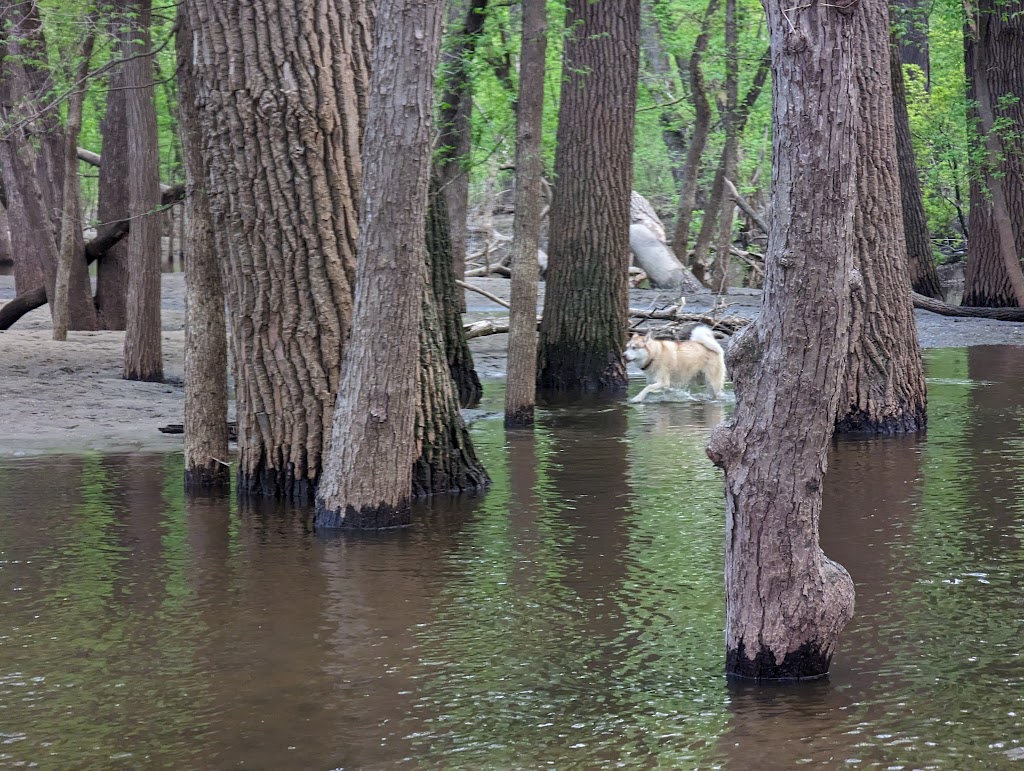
pixel 714 372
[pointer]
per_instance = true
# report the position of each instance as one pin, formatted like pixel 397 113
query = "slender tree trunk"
pixel 449 298
pixel 720 272
pixel 786 602
pixel 71 219
pixel 455 139
pixel 367 475
pixel 206 346
pixel 6 256
pixel 521 389
pixel 924 277
pixel 994 60
pixel 698 140
pixel 143 358
pixel 112 270
pixel 884 392
pixel 910 20
pixel 286 221
pixel 657 74
pixel 586 306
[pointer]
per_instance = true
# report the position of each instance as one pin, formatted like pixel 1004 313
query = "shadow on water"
pixel 573 616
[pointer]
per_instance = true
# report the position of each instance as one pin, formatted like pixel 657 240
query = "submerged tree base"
pixel 213 479
pixel 277 483
pixel 902 421
pixel 808 662
pixel 383 517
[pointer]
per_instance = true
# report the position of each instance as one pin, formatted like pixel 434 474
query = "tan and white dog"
pixel 673 363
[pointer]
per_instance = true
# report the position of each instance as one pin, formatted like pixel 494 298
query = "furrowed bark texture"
pixel 282 145
pixel 143 358
pixel 884 391
pixel 586 306
pixel 786 603
pixel 206 345
pixel 367 476
pixel 924 277
pixel 521 389
pixel 994 60
pixel 449 298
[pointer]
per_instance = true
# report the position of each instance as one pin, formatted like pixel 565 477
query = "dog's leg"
pixel 651 388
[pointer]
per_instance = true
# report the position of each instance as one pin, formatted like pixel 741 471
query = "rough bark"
pixel 924 277
pixel 71 217
pixel 521 388
pixel 994 62
pixel 455 136
pixel 143 358
pixel 282 147
pixel 582 332
pixel 786 603
pixel 884 391
pixel 367 475
pixel 698 139
pixel 720 269
pixel 206 347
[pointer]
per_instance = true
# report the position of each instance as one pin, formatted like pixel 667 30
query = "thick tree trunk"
pixel 112 270
pixel 582 332
pixel 289 219
pixel 884 392
pixel 720 271
pixel 994 62
pixel 698 139
pixel 786 603
pixel 521 389
pixel 71 218
pixel 143 358
pixel 206 346
pixel 924 277
pixel 367 474
pixel 455 136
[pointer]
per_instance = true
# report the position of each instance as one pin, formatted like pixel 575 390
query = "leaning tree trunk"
pixel 521 389
pixel 924 277
pixel 587 299
pixel 143 358
pixel 994 61
pixel 786 603
pixel 206 345
pixel 910 25
pixel 290 218
pixel 367 475
pixel 730 161
pixel 884 392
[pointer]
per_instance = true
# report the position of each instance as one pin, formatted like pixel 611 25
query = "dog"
pixel 673 363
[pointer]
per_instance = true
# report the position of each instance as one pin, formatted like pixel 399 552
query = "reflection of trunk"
pixel 786 601
pixel 206 350
pixel 587 300
pixel 924 278
pixel 994 59
pixel 520 390
pixel 884 388
pixel 366 479
pixel 142 340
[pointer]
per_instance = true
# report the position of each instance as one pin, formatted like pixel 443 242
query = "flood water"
pixel 572 617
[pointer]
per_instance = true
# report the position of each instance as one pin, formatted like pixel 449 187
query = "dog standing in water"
pixel 673 363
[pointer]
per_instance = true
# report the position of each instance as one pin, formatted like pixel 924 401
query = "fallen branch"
pixel 728 325
pixel 95 159
pixel 961 311
pixel 492 297
pixel 746 207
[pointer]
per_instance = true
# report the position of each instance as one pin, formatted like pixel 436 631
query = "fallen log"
pixel 965 311
pixel 728 325
pixel 179 428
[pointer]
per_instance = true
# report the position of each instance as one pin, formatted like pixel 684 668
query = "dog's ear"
pixel 650 336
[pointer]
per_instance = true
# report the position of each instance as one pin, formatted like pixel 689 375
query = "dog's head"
pixel 637 349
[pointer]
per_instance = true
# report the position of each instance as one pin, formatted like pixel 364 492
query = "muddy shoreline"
pixel 69 397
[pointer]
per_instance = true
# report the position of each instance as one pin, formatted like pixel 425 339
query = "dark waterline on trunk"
pixel 573 615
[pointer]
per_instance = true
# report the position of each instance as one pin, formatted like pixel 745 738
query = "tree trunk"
pixel 521 388
pixel 206 347
pixel 994 62
pixel 455 136
pixel 720 271
pixel 6 256
pixel 884 392
pixel 910 26
pixel 289 219
pixel 699 138
pixel 367 474
pixel 112 270
pixel 449 298
pixel 657 74
pixel 585 312
pixel 924 277
pixel 71 218
pixel 143 358
pixel 786 603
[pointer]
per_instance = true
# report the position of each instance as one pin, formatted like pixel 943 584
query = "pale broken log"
pixel 651 251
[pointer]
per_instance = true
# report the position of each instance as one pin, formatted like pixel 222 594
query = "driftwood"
pixel 944 309
pixel 179 428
